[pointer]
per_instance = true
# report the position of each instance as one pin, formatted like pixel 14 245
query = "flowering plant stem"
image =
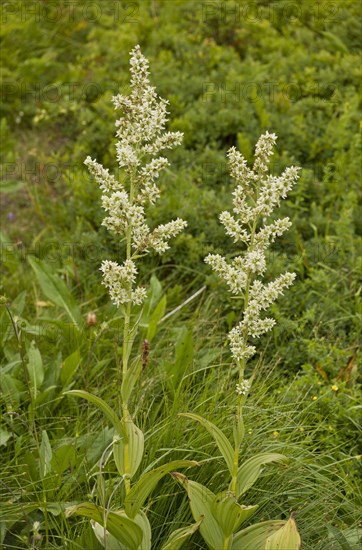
pixel 126 351
pixel 241 363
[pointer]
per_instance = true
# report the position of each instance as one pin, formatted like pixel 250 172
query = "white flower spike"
pixel 141 136
pixel 256 196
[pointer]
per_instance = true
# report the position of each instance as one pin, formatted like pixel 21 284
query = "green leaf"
pixel 201 500
pixel 238 431
pixel 69 367
pixel 156 316
pixel 183 357
pixel 11 389
pixel 228 513
pixel 35 369
pixel 153 297
pixel 286 538
pixel 121 527
pixel 249 472
pixel 135 443
pixel 102 405
pixel 64 457
pixel 254 537
pixel 114 544
pixel 142 520
pixel 221 440
pixel 9 186
pixel 104 536
pixel 4 436
pixel 130 378
pixel 45 455
pixel 56 290
pixel 145 485
pixel 178 537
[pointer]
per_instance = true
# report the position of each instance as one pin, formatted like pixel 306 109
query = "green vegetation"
pixel 231 70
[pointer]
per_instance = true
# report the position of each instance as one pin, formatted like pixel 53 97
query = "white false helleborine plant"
pixel 256 195
pixel 141 137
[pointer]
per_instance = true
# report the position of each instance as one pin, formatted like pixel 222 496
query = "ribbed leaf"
pixel 102 405
pixel 254 537
pixel 45 455
pixel 142 520
pixel 201 500
pixel 56 290
pixel 221 440
pixel 113 543
pixel 228 513
pixel 145 485
pixel 103 536
pixel 35 369
pixel 286 538
pixel 249 472
pixel 121 527
pixel 129 379
pixel 178 537
pixel 156 316
pixel 135 445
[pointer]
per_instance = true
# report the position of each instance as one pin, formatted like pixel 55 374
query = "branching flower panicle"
pixel 256 196
pixel 254 199
pixel 141 137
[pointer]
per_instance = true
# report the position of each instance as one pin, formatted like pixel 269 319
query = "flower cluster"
pixel 141 136
pixel 243 388
pixel 256 196
pixel 119 280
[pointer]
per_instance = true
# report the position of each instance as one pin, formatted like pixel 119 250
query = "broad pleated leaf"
pixel 221 440
pixel 228 513
pixel 286 538
pixel 142 520
pixel 145 485
pixel 121 527
pixel 113 543
pixel 249 472
pixel 178 537
pixel 254 537
pixel 102 405
pixel 135 449
pixel 103 536
pixel 201 500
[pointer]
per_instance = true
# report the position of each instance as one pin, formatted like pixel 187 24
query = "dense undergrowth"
pixel 231 70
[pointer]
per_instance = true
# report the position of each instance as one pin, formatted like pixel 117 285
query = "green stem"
pixel 241 398
pixel 127 330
